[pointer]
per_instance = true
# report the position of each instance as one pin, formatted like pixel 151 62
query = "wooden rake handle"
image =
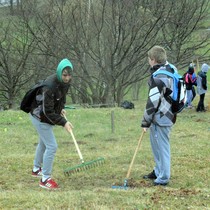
pixel 75 142
pixel 77 147
pixel 134 156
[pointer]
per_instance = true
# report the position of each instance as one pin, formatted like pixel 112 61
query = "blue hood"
pixel 61 66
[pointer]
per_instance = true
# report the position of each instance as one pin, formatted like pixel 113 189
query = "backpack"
pixel 127 105
pixel 178 95
pixel 184 77
pixel 28 98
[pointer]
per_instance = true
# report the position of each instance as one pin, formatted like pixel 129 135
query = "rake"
pixel 125 184
pixel 84 165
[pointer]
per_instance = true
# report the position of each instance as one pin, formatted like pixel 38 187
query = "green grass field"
pixel 189 187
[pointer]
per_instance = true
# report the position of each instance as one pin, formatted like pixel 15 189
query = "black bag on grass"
pixel 127 105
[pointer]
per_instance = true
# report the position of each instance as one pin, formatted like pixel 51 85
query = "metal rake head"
pixel 123 187
pixel 84 166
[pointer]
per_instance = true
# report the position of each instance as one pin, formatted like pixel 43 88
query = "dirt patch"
pixel 68 143
pixel 71 142
pixel 89 135
pixel 69 160
pixel 200 120
pixel 8 123
pixel 112 139
pixel 182 192
pixel 188 136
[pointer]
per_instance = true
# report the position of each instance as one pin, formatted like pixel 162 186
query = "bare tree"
pixel 184 34
pixel 107 42
pixel 15 50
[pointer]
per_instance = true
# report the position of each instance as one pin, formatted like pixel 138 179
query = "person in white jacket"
pixel 202 86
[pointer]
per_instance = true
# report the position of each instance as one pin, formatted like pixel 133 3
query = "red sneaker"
pixel 37 173
pixel 48 184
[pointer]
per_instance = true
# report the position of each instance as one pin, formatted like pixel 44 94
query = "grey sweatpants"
pixel 159 138
pixel 46 148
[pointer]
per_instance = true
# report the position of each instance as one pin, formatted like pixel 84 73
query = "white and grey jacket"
pixel 158 107
pixel 201 83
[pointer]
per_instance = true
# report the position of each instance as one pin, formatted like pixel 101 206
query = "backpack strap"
pixel 165 72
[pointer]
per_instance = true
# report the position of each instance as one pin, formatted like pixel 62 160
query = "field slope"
pixel 91 189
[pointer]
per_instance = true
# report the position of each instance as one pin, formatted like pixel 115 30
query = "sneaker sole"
pixel 55 188
pixel 149 178
pixel 160 184
pixel 36 176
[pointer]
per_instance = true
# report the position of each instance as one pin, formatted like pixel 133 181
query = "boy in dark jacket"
pixel 158 116
pixel 48 111
pixel 190 81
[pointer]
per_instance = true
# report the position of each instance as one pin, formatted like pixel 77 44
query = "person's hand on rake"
pixel 144 129
pixel 68 126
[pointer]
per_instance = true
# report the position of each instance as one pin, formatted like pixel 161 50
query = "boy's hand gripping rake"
pixel 84 165
pixel 125 184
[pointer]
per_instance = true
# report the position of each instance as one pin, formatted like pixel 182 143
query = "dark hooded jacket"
pixel 51 99
pixel 190 78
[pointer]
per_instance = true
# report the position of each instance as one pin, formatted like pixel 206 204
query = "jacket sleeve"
pixel 153 101
pixel 49 108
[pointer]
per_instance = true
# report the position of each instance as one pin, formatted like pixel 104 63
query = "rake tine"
pixel 84 166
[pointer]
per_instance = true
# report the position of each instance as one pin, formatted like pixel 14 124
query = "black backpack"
pixel 28 98
pixel 127 105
